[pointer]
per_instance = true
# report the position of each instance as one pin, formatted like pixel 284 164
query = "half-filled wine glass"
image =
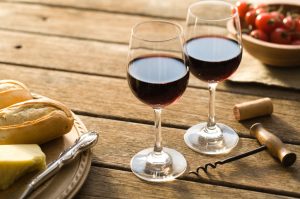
pixel 157 75
pixel 213 54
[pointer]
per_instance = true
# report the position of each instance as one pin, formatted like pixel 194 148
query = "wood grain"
pixel 100 26
pixel 166 8
pixel 63 53
pixel 103 26
pixel 121 140
pixel 100 58
pixel 109 183
pixel 75 51
pixel 109 97
pixel 56 21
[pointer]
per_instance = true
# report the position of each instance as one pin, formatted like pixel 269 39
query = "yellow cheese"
pixel 17 160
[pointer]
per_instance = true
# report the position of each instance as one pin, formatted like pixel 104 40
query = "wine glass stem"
pixel 157 125
pixel 211 123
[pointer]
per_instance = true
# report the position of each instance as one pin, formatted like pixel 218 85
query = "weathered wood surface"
pixel 110 183
pixel 99 58
pixel 259 171
pixel 68 22
pixel 158 8
pixel 45 51
pixel 102 26
pixel 75 51
pixel 111 97
pixel 166 8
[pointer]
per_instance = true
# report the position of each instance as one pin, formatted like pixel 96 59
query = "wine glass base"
pixel 158 168
pixel 199 140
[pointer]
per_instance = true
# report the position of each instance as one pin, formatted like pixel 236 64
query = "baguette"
pixel 12 92
pixel 34 121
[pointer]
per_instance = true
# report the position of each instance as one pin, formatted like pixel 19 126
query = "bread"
pixel 34 121
pixel 12 92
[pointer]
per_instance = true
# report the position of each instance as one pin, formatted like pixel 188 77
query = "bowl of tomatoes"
pixel 271 31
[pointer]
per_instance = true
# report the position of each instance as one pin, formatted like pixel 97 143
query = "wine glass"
pixel 213 54
pixel 157 75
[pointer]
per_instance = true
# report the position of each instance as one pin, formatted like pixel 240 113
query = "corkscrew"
pixel 268 140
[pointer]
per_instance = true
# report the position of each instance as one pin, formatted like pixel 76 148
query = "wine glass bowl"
pixel 213 54
pixel 154 87
pixel 157 75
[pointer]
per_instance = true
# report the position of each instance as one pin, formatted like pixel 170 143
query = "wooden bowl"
pixel 270 53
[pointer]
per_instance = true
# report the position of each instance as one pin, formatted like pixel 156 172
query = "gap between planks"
pixel 122 77
pixel 63 36
pixel 151 123
pixel 210 182
pixel 134 120
pixel 95 10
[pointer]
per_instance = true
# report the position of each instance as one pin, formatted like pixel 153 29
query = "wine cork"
pixel 253 109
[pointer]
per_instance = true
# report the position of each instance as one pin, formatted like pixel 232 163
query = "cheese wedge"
pixel 17 160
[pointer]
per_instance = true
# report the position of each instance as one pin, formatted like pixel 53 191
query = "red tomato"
pixel 260 10
pixel 242 7
pixel 266 22
pixel 281 36
pixel 289 23
pixel 295 35
pixel 296 42
pixel 298 25
pixel 259 34
pixel 279 16
pixel 278 19
pixel 250 18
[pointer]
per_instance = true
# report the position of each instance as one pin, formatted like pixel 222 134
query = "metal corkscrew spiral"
pixel 268 140
pixel 214 165
pixel 205 167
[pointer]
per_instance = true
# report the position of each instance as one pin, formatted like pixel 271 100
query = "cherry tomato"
pixel 242 7
pixel 289 23
pixel 279 16
pixel 298 25
pixel 296 42
pixel 281 36
pixel 266 22
pixel 260 10
pixel 250 18
pixel 295 35
pixel 259 34
pixel 278 19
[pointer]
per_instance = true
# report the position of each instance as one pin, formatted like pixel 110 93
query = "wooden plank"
pixel 99 58
pixel 107 96
pixel 119 141
pixel 104 26
pixel 166 8
pixel 56 21
pixel 108 183
pixel 63 53
pixel 86 24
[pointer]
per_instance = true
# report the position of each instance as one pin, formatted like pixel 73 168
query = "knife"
pixel 84 142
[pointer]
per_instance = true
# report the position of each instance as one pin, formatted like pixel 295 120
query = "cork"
pixel 252 109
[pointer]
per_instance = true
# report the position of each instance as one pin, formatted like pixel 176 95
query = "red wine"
pixel 213 58
pixel 157 80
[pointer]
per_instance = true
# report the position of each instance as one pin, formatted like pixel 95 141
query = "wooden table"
pixel 75 51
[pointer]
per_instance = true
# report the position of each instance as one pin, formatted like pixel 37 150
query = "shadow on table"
pixel 285 131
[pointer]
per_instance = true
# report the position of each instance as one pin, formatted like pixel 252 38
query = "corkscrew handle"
pixel 273 144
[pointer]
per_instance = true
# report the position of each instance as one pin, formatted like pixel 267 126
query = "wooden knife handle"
pixel 274 144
